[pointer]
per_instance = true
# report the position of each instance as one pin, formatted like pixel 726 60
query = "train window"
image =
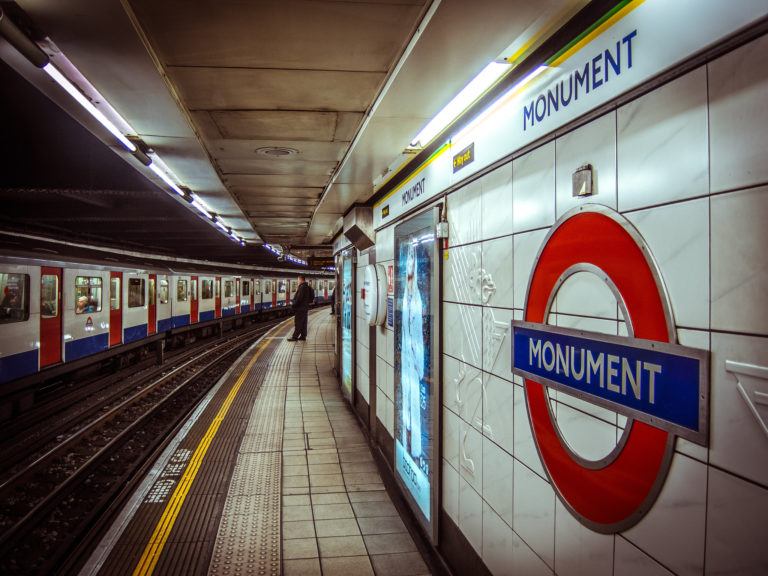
pixel 267 287
pixel 246 288
pixel 14 306
pixel 281 287
pixel 218 287
pixel 257 286
pixel 152 291
pixel 193 289
pixel 49 295
pixel 293 286
pixel 136 298
pixel 181 291
pixel 228 288
pixel 88 294
pixel 207 289
pixel 163 291
pixel 114 293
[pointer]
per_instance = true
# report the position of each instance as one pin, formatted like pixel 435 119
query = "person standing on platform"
pixel 301 300
pixel 333 301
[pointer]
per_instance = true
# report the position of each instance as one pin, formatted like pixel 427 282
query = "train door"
pixel 115 308
pixel 217 296
pixel 274 293
pixel 237 296
pixel 50 316
pixel 253 294
pixel 152 317
pixel 194 306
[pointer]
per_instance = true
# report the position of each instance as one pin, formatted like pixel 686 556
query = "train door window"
pixel 207 289
pixel 114 293
pixel 193 289
pixel 181 291
pixel 49 295
pixel 228 288
pixel 152 291
pixel 163 292
pixel 281 287
pixel 136 298
pixel 267 287
pixel 257 286
pixel 14 290
pixel 88 294
pixel 246 288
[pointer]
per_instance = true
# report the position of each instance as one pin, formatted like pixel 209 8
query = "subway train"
pixel 58 312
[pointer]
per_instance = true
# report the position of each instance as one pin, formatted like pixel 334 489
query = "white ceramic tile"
pixel 738 91
pixel 381 375
pixel 497 289
pixel 738 442
pixel 525 561
pixel 471 456
pixel 471 515
pixel 524 444
pixel 662 144
pixel 527 247
pixel 740 261
pixel 677 236
pixel 451 437
pixel 390 423
pixel 589 437
pixel 462 332
pixel 533 189
pixel 451 491
pixel 381 406
pixel 463 274
pixel 390 391
pixel 362 385
pixel 496 202
pixel 385 244
pixel 497 346
pixel 694 339
pixel 381 342
pixel 534 512
pixel 586 294
pixel 579 550
pixel 363 329
pixel 736 538
pixel 498 474
pixel 498 543
pixel 452 374
pixel 498 412
pixel 631 561
pixel 362 357
pixel 679 509
pixel 464 215
pixel 595 144
pixel 469 395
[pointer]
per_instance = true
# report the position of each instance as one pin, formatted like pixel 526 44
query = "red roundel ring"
pixel 613 497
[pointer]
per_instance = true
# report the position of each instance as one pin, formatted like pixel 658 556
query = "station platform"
pixel 272 474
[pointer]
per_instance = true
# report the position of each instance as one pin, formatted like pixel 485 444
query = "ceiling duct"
pixel 358 227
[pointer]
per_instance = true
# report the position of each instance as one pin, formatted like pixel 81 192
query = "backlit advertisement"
pixel 347 296
pixel 416 378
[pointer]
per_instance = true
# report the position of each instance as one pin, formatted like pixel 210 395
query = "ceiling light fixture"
pixel 166 178
pixel 73 91
pixel 487 77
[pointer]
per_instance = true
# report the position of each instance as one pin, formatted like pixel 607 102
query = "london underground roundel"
pixel 660 386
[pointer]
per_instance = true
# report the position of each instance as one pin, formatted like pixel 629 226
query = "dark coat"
pixel 304 297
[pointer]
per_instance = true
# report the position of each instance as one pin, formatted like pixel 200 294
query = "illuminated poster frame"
pixel 347 324
pixel 417 457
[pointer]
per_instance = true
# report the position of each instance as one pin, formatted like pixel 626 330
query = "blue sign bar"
pixel 656 382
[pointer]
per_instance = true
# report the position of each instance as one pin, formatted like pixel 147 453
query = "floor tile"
pixel 335 546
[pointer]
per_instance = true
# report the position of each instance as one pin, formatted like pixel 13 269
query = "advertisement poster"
pixel 347 296
pixel 415 366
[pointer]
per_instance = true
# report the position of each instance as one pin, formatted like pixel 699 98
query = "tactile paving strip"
pixel 248 540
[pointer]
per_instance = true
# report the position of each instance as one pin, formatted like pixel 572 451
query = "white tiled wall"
pixel 385 340
pixel 687 165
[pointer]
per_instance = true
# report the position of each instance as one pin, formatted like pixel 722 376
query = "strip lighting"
pixel 487 77
pixel 165 178
pixel 72 90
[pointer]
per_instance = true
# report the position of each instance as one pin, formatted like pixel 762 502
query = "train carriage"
pixel 180 305
pixel 135 318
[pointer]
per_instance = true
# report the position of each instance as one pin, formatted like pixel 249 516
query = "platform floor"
pixel 272 475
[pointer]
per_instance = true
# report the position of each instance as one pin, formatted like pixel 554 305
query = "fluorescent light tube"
pixel 202 208
pixel 73 91
pixel 165 178
pixel 487 77
pixel 220 224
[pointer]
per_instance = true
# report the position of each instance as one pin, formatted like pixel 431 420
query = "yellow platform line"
pixel 162 531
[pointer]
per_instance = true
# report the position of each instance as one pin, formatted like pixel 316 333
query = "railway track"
pixel 48 503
